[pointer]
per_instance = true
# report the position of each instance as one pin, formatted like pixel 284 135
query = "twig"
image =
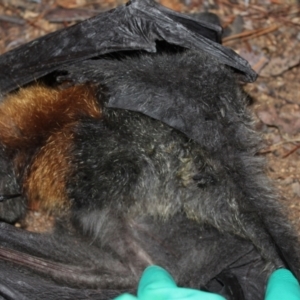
pixel 251 33
pixel 12 19
pixel 291 151
pixel 31 23
pixel 278 145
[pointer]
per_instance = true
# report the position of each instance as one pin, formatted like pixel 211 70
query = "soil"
pixel 265 32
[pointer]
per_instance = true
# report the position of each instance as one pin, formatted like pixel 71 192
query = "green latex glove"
pixel 157 284
pixel 282 285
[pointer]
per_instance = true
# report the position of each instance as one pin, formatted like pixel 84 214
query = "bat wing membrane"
pixel 135 26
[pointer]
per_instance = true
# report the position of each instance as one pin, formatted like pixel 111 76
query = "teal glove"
pixel 157 284
pixel 282 285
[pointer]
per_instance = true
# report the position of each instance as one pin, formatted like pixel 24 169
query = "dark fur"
pixel 217 181
pixel 169 176
pixel 144 193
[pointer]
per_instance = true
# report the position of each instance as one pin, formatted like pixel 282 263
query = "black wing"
pixel 134 26
pixel 41 266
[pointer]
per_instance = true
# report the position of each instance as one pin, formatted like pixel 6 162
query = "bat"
pixel 126 28
pixel 132 130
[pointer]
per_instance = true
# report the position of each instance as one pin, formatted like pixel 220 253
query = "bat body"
pixel 143 158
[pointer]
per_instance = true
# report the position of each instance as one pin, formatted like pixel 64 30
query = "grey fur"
pixel 155 169
pixel 173 179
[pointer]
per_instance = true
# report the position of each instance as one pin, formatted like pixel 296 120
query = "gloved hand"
pixel 157 284
pixel 282 285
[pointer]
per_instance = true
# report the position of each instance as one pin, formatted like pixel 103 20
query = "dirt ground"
pixel 265 32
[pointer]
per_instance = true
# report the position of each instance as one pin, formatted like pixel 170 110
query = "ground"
pixel 265 32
